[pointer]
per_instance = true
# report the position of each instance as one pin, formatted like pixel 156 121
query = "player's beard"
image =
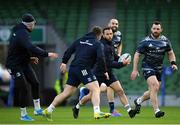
pixel 114 29
pixel 156 35
pixel 108 39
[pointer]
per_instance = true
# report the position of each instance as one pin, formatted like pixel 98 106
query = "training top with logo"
pixel 153 51
pixel 88 50
pixel 20 48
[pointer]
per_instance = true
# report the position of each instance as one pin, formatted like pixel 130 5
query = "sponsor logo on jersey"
pixel 150 45
pixel 86 42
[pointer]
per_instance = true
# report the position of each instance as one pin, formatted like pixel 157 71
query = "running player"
pixel 112 82
pixel 87 51
pixel 153 47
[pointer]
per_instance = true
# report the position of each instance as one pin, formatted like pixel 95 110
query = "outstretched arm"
pixel 25 41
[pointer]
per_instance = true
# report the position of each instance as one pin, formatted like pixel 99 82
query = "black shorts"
pixel 147 72
pixel 102 79
pixel 26 73
pixel 78 75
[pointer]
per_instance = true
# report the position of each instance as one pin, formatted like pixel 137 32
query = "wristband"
pixel 173 63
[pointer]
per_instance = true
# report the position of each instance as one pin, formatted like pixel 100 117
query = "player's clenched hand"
pixel 52 55
pixel 174 67
pixel 63 67
pixel 134 74
pixel 34 60
pixel 126 61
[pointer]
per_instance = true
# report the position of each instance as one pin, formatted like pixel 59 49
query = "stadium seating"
pixel 10 14
pixel 70 18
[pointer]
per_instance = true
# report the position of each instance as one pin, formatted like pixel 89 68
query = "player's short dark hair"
pixel 157 23
pixel 106 28
pixel 97 30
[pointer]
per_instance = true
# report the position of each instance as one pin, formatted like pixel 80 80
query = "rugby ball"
pixel 124 56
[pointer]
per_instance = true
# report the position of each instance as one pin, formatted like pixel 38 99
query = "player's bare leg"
pixel 68 91
pixel 85 99
pixel 139 100
pixel 154 86
pixel 95 99
pixel 82 101
pixel 116 86
pixel 110 97
pixel 110 94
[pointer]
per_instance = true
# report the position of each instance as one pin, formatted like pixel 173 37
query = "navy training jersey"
pixel 154 51
pixel 20 47
pixel 88 50
pixel 110 58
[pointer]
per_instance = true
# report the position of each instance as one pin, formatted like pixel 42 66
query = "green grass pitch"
pixel 63 115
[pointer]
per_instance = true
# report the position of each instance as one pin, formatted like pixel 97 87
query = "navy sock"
pixel 111 106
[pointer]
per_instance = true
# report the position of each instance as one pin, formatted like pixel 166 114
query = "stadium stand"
pixel 11 11
pixel 70 18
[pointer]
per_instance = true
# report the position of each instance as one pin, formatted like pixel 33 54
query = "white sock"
pixel 36 104
pixel 157 110
pixel 50 108
pixel 128 107
pixel 139 101
pixel 96 109
pixel 23 111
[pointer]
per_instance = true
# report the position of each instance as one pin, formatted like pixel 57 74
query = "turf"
pixel 63 115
